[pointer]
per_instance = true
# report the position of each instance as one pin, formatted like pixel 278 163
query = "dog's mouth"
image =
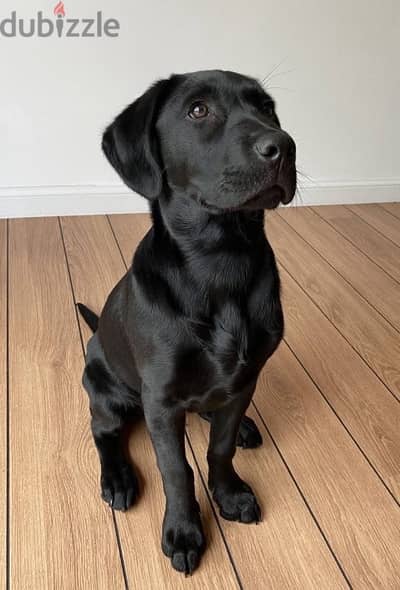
pixel 267 198
pixel 255 189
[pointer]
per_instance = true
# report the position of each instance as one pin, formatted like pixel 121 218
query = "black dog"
pixel 193 321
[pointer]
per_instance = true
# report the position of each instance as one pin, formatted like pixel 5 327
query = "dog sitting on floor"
pixel 195 318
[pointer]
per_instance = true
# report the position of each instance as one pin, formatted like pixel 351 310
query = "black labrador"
pixel 193 321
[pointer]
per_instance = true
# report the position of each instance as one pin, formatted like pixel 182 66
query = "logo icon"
pixel 59 9
pixel 62 26
pixel 59 12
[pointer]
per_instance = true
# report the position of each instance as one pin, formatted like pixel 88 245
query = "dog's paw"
pixel 183 542
pixel 119 487
pixel 238 504
pixel 249 436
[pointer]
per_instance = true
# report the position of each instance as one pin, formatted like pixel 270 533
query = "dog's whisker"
pixel 298 198
pixel 306 176
pixel 273 71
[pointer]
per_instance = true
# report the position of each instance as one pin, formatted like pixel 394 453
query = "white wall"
pixel 337 87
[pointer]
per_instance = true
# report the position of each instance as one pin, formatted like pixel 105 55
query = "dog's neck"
pixel 217 257
pixel 195 230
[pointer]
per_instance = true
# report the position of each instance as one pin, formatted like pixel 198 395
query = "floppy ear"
pixel 130 143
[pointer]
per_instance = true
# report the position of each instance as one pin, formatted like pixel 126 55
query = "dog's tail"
pixel 89 316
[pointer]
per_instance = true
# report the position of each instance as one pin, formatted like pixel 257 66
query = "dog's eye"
pixel 268 107
pixel 198 110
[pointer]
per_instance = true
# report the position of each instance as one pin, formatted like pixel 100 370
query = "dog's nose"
pixel 275 147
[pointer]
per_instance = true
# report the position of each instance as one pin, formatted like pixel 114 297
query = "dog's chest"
pixel 225 354
pixel 227 338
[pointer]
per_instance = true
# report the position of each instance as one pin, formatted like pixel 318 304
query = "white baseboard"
pixel 99 199
pixel 47 201
pixel 347 193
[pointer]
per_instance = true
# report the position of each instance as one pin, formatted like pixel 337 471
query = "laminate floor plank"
pixel 358 397
pixel 393 208
pixel 60 535
pixel 359 518
pixel 3 403
pixel 363 236
pixel 375 285
pixel 377 217
pixel 362 326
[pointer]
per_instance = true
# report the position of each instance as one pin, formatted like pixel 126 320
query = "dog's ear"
pixel 131 146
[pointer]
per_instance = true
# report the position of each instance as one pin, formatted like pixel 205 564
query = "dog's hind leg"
pixel 119 486
pixel 249 437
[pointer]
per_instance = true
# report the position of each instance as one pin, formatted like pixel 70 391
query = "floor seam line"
pixel 387 210
pixel 340 333
pixel 230 556
pixel 338 272
pixel 341 234
pixel 303 497
pixel 116 241
pixel 348 207
pixel 115 525
pixel 347 429
pixel 328 318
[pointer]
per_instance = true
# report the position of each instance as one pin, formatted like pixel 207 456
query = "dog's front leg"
pixel 182 536
pixel 234 497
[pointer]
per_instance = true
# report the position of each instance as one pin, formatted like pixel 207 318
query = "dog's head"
pixel 210 136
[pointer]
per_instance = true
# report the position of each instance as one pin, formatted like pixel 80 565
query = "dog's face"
pixel 213 137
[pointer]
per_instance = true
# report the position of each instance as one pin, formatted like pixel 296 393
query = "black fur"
pixel 193 321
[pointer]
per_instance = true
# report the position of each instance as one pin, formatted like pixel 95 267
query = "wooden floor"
pixel 327 475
